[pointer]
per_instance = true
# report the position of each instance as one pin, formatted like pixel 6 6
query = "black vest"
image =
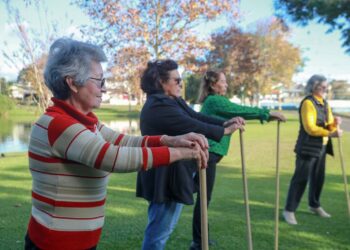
pixel 308 145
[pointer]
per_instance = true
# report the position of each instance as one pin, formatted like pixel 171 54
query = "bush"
pixel 192 86
pixel 6 104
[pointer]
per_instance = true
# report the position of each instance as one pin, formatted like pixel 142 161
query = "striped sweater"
pixel 70 158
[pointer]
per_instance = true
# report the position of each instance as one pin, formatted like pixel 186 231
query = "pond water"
pixel 14 136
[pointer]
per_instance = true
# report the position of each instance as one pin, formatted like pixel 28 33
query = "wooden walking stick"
pixel 344 174
pixel 204 212
pixel 245 190
pixel 277 199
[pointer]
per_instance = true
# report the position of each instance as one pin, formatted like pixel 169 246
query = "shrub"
pixel 6 104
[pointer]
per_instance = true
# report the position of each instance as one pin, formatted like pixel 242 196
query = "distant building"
pixel 21 92
pixel 16 92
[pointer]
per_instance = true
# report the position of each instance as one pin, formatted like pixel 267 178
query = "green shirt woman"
pixel 212 95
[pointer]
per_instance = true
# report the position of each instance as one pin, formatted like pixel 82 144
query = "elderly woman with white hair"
pixel 71 153
pixel 317 125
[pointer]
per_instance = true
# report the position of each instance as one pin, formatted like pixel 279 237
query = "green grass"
pixel 105 112
pixel 345 114
pixel 29 114
pixel 6 104
pixel 126 215
pixel 111 112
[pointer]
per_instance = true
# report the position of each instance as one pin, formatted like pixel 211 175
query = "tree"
pixel 33 46
pixel 278 57
pixel 128 69
pixel 335 13
pixel 340 89
pixel 3 86
pixel 236 53
pixel 192 83
pixel 254 61
pixel 26 75
pixel 156 28
pixel 29 54
pixel 5 102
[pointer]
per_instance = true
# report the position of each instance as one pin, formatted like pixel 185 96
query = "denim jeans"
pixel 162 219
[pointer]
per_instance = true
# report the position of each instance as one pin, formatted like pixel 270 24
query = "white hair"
pixel 68 57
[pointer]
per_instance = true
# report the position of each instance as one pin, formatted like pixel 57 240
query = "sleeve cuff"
pixel 161 156
pixel 328 133
pixel 215 132
pixel 265 115
pixel 151 141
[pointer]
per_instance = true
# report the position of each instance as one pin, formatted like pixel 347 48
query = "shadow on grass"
pixel 227 214
pixel 126 215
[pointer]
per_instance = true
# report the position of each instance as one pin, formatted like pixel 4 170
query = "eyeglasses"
pixel 177 80
pixel 102 81
pixel 322 87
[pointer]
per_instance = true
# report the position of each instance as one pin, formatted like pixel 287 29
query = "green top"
pixel 220 106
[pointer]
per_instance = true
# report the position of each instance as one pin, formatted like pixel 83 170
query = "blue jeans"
pixel 162 219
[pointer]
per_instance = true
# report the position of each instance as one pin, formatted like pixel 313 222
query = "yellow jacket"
pixel 309 117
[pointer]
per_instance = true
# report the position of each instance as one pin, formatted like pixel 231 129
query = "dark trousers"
pixel 29 244
pixel 307 169
pixel 211 172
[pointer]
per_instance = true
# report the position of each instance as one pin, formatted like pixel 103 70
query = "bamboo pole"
pixel 277 199
pixel 344 175
pixel 204 211
pixel 245 190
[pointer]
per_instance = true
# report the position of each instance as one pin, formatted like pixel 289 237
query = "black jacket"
pixel 163 115
pixel 306 144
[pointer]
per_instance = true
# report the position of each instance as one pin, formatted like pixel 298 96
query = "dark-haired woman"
pixel 317 125
pixel 215 104
pixel 165 112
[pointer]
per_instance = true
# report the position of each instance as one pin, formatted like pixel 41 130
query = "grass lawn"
pixel 126 215
pixel 111 112
pixel 345 114
pixel 105 112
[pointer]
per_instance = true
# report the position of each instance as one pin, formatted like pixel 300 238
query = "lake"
pixel 14 136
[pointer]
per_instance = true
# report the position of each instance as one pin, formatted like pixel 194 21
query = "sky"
pixel 322 51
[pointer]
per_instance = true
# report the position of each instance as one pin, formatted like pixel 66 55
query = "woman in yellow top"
pixel 317 125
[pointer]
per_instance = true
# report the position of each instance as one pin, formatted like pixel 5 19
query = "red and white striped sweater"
pixel 70 158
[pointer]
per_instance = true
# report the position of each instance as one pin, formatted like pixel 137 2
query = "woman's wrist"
pixel 228 130
pixel 164 140
pixel 174 155
pixel 177 154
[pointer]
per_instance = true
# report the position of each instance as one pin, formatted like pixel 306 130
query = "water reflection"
pixel 14 137
pixel 124 126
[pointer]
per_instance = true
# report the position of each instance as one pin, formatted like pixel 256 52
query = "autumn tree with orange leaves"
pixel 255 61
pixel 237 54
pixel 134 32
